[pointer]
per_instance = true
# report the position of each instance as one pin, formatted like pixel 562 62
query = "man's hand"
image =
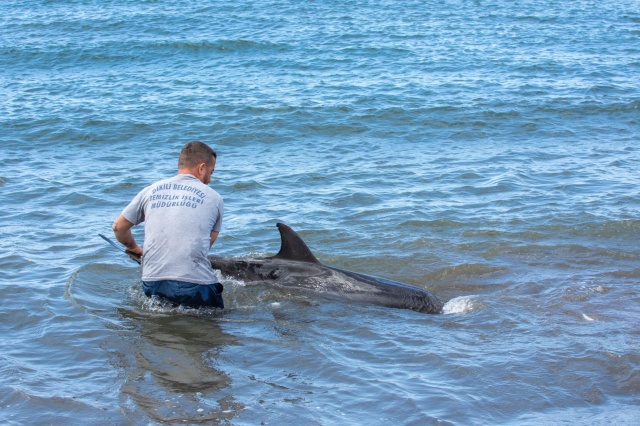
pixel 122 231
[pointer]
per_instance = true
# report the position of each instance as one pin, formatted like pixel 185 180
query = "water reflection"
pixel 164 357
pixel 173 376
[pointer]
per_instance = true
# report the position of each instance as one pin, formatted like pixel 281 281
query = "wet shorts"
pixel 186 294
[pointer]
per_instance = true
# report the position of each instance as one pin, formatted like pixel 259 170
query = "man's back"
pixel 179 215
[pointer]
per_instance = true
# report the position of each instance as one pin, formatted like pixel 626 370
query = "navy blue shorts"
pixel 186 294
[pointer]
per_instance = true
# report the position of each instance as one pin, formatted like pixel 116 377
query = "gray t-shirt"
pixel 179 215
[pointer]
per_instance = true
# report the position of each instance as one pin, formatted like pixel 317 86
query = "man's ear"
pixel 202 169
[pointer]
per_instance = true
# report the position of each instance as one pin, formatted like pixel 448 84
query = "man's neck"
pixel 187 172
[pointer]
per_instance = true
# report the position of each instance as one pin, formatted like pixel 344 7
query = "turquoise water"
pixel 486 151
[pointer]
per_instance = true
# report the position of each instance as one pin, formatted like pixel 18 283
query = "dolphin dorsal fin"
pixel 292 247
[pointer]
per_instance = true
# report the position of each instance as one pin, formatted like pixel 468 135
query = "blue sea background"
pixel 486 151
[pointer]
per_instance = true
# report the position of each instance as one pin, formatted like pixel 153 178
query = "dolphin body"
pixel 295 267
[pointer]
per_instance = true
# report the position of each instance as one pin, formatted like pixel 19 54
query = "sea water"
pixel 486 151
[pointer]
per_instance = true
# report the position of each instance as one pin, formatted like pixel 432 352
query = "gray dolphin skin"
pixel 295 267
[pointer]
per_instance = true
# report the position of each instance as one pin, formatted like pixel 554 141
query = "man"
pixel 183 217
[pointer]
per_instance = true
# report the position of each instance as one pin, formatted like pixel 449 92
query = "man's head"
pixel 198 159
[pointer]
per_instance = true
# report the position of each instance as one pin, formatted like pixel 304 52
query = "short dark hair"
pixel 194 153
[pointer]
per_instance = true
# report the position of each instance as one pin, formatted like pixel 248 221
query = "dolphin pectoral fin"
pixel 133 256
pixel 292 247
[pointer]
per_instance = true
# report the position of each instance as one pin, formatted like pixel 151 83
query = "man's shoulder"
pixel 163 184
pixel 210 190
pixel 183 182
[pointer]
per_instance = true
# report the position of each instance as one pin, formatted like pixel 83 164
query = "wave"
pixel 64 54
pixel 461 305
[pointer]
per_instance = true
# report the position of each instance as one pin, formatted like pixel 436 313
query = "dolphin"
pixel 295 267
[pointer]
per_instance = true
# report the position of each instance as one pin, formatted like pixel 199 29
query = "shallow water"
pixel 484 151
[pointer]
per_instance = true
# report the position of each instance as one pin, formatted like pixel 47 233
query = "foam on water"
pixel 461 305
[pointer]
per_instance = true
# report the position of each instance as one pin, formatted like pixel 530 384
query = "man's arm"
pixel 214 235
pixel 122 230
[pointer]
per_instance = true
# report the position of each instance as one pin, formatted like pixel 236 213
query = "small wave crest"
pixel 460 305
pixel 465 271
